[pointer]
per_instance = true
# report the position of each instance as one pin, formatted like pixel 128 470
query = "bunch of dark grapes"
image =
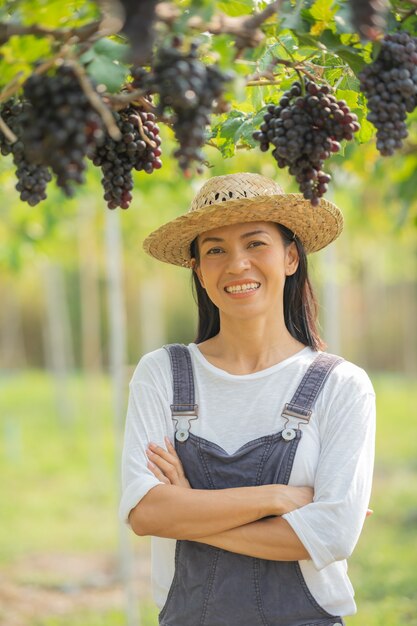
pixel 368 17
pixel 138 25
pixel 138 148
pixel 190 89
pixel 390 86
pixel 61 127
pixel 305 131
pixel 32 180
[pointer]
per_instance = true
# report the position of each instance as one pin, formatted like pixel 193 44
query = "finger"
pixel 170 447
pixel 170 457
pixel 165 454
pixel 157 473
pixel 369 512
pixel 166 467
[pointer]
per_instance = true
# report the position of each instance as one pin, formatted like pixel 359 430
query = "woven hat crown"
pixel 234 187
pixel 244 197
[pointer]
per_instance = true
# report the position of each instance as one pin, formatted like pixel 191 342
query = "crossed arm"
pixel 231 519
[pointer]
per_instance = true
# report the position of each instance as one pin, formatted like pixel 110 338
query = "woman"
pixel 251 447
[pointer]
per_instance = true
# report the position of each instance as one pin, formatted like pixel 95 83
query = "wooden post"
pixel 117 354
pixel 58 337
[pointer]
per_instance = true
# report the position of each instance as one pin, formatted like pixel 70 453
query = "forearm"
pixel 272 539
pixel 170 511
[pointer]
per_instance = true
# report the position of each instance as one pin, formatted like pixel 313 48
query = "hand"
pixel 291 498
pixel 166 465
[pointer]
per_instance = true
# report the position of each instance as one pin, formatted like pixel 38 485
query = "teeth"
pixel 240 288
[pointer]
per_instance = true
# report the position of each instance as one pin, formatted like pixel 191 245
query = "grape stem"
pixel 95 100
pixel 9 134
pixel 143 134
pixel 122 100
pixel 253 81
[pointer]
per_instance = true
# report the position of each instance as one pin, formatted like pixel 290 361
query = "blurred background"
pixel 80 303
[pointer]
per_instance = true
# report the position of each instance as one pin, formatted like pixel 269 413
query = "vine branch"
pixel 96 101
pixel 82 33
pixel 245 29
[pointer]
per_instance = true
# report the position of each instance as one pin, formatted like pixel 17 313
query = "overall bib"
pixel 214 587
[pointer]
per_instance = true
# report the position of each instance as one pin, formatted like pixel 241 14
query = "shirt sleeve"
pixel 148 419
pixel 329 527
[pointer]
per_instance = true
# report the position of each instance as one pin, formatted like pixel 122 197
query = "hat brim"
pixel 315 226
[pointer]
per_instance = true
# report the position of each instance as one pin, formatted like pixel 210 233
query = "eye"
pixel 255 244
pixel 214 251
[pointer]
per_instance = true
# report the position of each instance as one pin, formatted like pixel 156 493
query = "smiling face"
pixel 243 268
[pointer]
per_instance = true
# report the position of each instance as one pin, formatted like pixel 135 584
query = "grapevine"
pixel 32 179
pixel 305 131
pixel 390 86
pixel 60 127
pixel 189 89
pixel 139 149
pixel 59 119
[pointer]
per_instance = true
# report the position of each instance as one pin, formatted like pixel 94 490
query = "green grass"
pixel 60 493
pixel 383 568
pixel 59 476
pixel 109 618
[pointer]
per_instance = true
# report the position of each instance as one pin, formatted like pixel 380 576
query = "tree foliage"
pixel 268 46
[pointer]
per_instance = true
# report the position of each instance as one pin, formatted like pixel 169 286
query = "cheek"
pixel 273 262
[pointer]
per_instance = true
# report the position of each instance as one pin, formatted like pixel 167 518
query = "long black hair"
pixel 300 304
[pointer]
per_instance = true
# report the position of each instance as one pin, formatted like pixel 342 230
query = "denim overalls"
pixel 214 587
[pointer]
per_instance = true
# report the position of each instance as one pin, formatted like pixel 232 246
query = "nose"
pixel 238 262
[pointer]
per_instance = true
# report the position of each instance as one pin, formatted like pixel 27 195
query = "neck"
pixel 247 346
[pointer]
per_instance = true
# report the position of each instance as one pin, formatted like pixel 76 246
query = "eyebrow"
pixel 244 236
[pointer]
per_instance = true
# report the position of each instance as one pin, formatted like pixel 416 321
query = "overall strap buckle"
pixel 302 403
pixel 182 419
pixel 183 408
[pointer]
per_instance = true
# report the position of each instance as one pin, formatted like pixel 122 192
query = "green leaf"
pixel 236 8
pixel 245 131
pixel 323 11
pixel 349 82
pixel 366 131
pixel 108 49
pixel 103 63
pixel 19 54
pixel 55 13
pixel 203 8
pixel 226 133
pixel 353 59
pixel 110 74
pixel 223 48
pixel 292 18
pixel 351 97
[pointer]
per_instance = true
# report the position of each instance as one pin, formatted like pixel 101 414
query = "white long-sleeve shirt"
pixel 335 454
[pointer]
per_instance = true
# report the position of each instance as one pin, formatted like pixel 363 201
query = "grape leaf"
pixel 112 75
pixel 323 12
pixel 366 131
pixel 108 49
pixel 226 132
pixel 350 97
pixel 236 7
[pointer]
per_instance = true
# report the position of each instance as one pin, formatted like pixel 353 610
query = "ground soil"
pixel 39 586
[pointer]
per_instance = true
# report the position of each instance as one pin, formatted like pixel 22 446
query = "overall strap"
pixel 302 402
pixel 183 409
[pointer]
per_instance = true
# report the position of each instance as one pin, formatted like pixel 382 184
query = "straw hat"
pixel 244 197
